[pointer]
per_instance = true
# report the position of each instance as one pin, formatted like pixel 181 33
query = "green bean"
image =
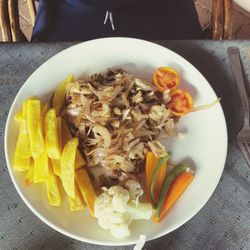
pixel 167 183
pixel 153 178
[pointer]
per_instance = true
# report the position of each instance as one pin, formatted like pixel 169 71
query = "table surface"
pixel 223 223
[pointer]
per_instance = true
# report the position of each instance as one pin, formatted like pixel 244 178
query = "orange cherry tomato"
pixel 181 102
pixel 166 78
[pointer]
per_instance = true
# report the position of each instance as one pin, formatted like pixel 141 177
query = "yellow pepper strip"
pixel 52 143
pixel 77 203
pixel 53 190
pixel 29 179
pixel 86 188
pixel 60 94
pixel 68 166
pixel 44 110
pixel 56 164
pixel 23 142
pixel 41 168
pixel 59 128
pixel 21 164
pixel 34 125
pixel 18 115
pixel 66 136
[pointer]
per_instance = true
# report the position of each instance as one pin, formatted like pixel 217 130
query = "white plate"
pixel 205 142
pixel 245 4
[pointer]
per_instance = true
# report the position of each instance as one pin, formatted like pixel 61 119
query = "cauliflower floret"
pixel 103 204
pixel 134 188
pixel 116 207
pixel 120 230
pixel 120 198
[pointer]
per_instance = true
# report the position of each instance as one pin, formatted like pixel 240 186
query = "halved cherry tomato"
pixel 166 78
pixel 181 102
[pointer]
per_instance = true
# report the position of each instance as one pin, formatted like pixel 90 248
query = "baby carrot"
pixel 177 187
pixel 151 162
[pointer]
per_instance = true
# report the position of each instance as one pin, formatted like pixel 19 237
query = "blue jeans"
pixel 81 20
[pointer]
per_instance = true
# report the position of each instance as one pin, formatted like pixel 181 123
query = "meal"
pixel 99 139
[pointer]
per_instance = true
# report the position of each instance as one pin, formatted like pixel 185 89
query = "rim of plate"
pixel 80 238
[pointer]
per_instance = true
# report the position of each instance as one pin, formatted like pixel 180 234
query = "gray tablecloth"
pixel 223 223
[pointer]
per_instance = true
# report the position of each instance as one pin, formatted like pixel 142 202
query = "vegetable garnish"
pixel 60 93
pixel 166 78
pixel 168 181
pixel 151 162
pixel 178 186
pixel 205 106
pixel 181 102
pixel 52 141
pixel 160 162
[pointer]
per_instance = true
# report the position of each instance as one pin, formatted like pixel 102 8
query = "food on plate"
pixel 151 162
pixel 29 179
pixel 66 136
pixel 99 139
pixel 53 191
pixel 59 94
pixel 178 186
pixel 86 188
pixel 34 127
pixel 117 207
pixel 181 102
pixel 52 141
pixel 41 168
pixel 175 172
pixel 77 203
pixel 166 78
pixel 68 166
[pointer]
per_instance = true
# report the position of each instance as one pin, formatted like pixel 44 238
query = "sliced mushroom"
pixel 104 133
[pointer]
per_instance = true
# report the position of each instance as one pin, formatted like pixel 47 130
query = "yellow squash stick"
pixel 19 115
pixel 52 142
pixel 21 164
pixel 86 188
pixel 34 125
pixel 66 136
pixel 44 109
pixel 77 203
pixel 56 164
pixel 59 128
pixel 29 179
pixel 23 141
pixel 53 190
pixel 60 94
pixel 68 166
pixel 41 168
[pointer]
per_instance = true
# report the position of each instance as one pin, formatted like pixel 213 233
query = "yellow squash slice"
pixel 19 115
pixel 60 94
pixel 21 164
pixel 86 188
pixel 77 203
pixel 29 179
pixel 53 190
pixel 59 128
pixel 41 168
pixel 34 125
pixel 52 142
pixel 66 136
pixel 23 141
pixel 56 164
pixel 68 166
